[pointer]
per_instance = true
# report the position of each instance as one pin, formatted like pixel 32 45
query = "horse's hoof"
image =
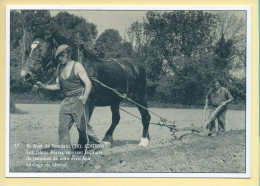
pixel 108 138
pixel 144 142
pixel 107 144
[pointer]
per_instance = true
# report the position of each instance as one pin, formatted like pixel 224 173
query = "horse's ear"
pixel 47 34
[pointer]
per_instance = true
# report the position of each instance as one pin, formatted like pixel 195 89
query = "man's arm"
pixel 206 103
pixel 80 71
pixel 49 87
pixel 207 98
pixel 229 97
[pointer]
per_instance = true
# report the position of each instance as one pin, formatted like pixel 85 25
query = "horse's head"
pixel 39 60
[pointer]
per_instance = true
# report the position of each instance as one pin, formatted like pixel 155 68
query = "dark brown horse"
pixel 125 75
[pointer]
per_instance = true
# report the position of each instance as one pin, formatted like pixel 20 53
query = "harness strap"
pixel 119 63
pixel 125 73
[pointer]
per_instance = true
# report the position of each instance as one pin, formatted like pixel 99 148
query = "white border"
pixel 109 8
pixel 248 92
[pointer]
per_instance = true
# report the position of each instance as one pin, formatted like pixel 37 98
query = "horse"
pixel 125 75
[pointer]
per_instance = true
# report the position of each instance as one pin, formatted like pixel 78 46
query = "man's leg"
pixel 65 123
pixel 211 124
pixel 222 120
pixel 85 122
pixel 93 139
pixel 81 116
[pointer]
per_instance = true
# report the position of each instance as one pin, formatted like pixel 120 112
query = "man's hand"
pixel 83 99
pixel 223 103
pixel 37 85
pixel 206 103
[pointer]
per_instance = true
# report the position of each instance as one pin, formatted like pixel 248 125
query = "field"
pixel 192 153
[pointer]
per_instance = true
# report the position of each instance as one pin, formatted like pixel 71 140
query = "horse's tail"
pixel 141 89
pixel 142 77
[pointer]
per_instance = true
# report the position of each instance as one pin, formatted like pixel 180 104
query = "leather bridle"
pixel 48 69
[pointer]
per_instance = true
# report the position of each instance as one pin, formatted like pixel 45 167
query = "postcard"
pixel 128 91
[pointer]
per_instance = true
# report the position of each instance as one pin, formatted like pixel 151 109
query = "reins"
pixel 49 72
pixel 163 121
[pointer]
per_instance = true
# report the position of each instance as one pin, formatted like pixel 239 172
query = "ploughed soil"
pixel 33 137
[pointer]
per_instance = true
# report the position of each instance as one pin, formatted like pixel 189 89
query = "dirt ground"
pixel 192 153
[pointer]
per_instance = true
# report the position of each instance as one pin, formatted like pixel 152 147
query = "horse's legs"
pixel 142 100
pixel 145 120
pixel 115 120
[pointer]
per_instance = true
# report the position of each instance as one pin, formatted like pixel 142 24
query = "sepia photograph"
pixel 128 92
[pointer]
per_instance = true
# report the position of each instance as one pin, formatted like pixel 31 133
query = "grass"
pixel 35 99
pixel 31 98
pixel 14 110
pixel 154 104
pixel 17 111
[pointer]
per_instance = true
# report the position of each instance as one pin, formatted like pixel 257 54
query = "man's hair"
pixel 69 52
pixel 216 80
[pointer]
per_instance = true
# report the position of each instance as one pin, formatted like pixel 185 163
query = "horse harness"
pixel 127 79
pixel 163 121
pixel 49 67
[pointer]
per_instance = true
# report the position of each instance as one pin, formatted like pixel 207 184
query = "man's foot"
pixel 221 133
pixel 212 134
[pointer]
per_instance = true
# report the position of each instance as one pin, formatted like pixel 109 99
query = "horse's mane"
pixel 61 39
pixel 88 53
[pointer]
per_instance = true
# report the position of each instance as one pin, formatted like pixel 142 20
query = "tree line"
pixel 183 51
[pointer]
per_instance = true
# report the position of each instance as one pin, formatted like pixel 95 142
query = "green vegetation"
pixel 183 51
pixel 14 110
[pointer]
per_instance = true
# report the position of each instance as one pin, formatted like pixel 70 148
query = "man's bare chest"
pixel 66 70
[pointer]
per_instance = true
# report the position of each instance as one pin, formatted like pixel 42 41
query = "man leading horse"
pixel 126 75
pixel 73 80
